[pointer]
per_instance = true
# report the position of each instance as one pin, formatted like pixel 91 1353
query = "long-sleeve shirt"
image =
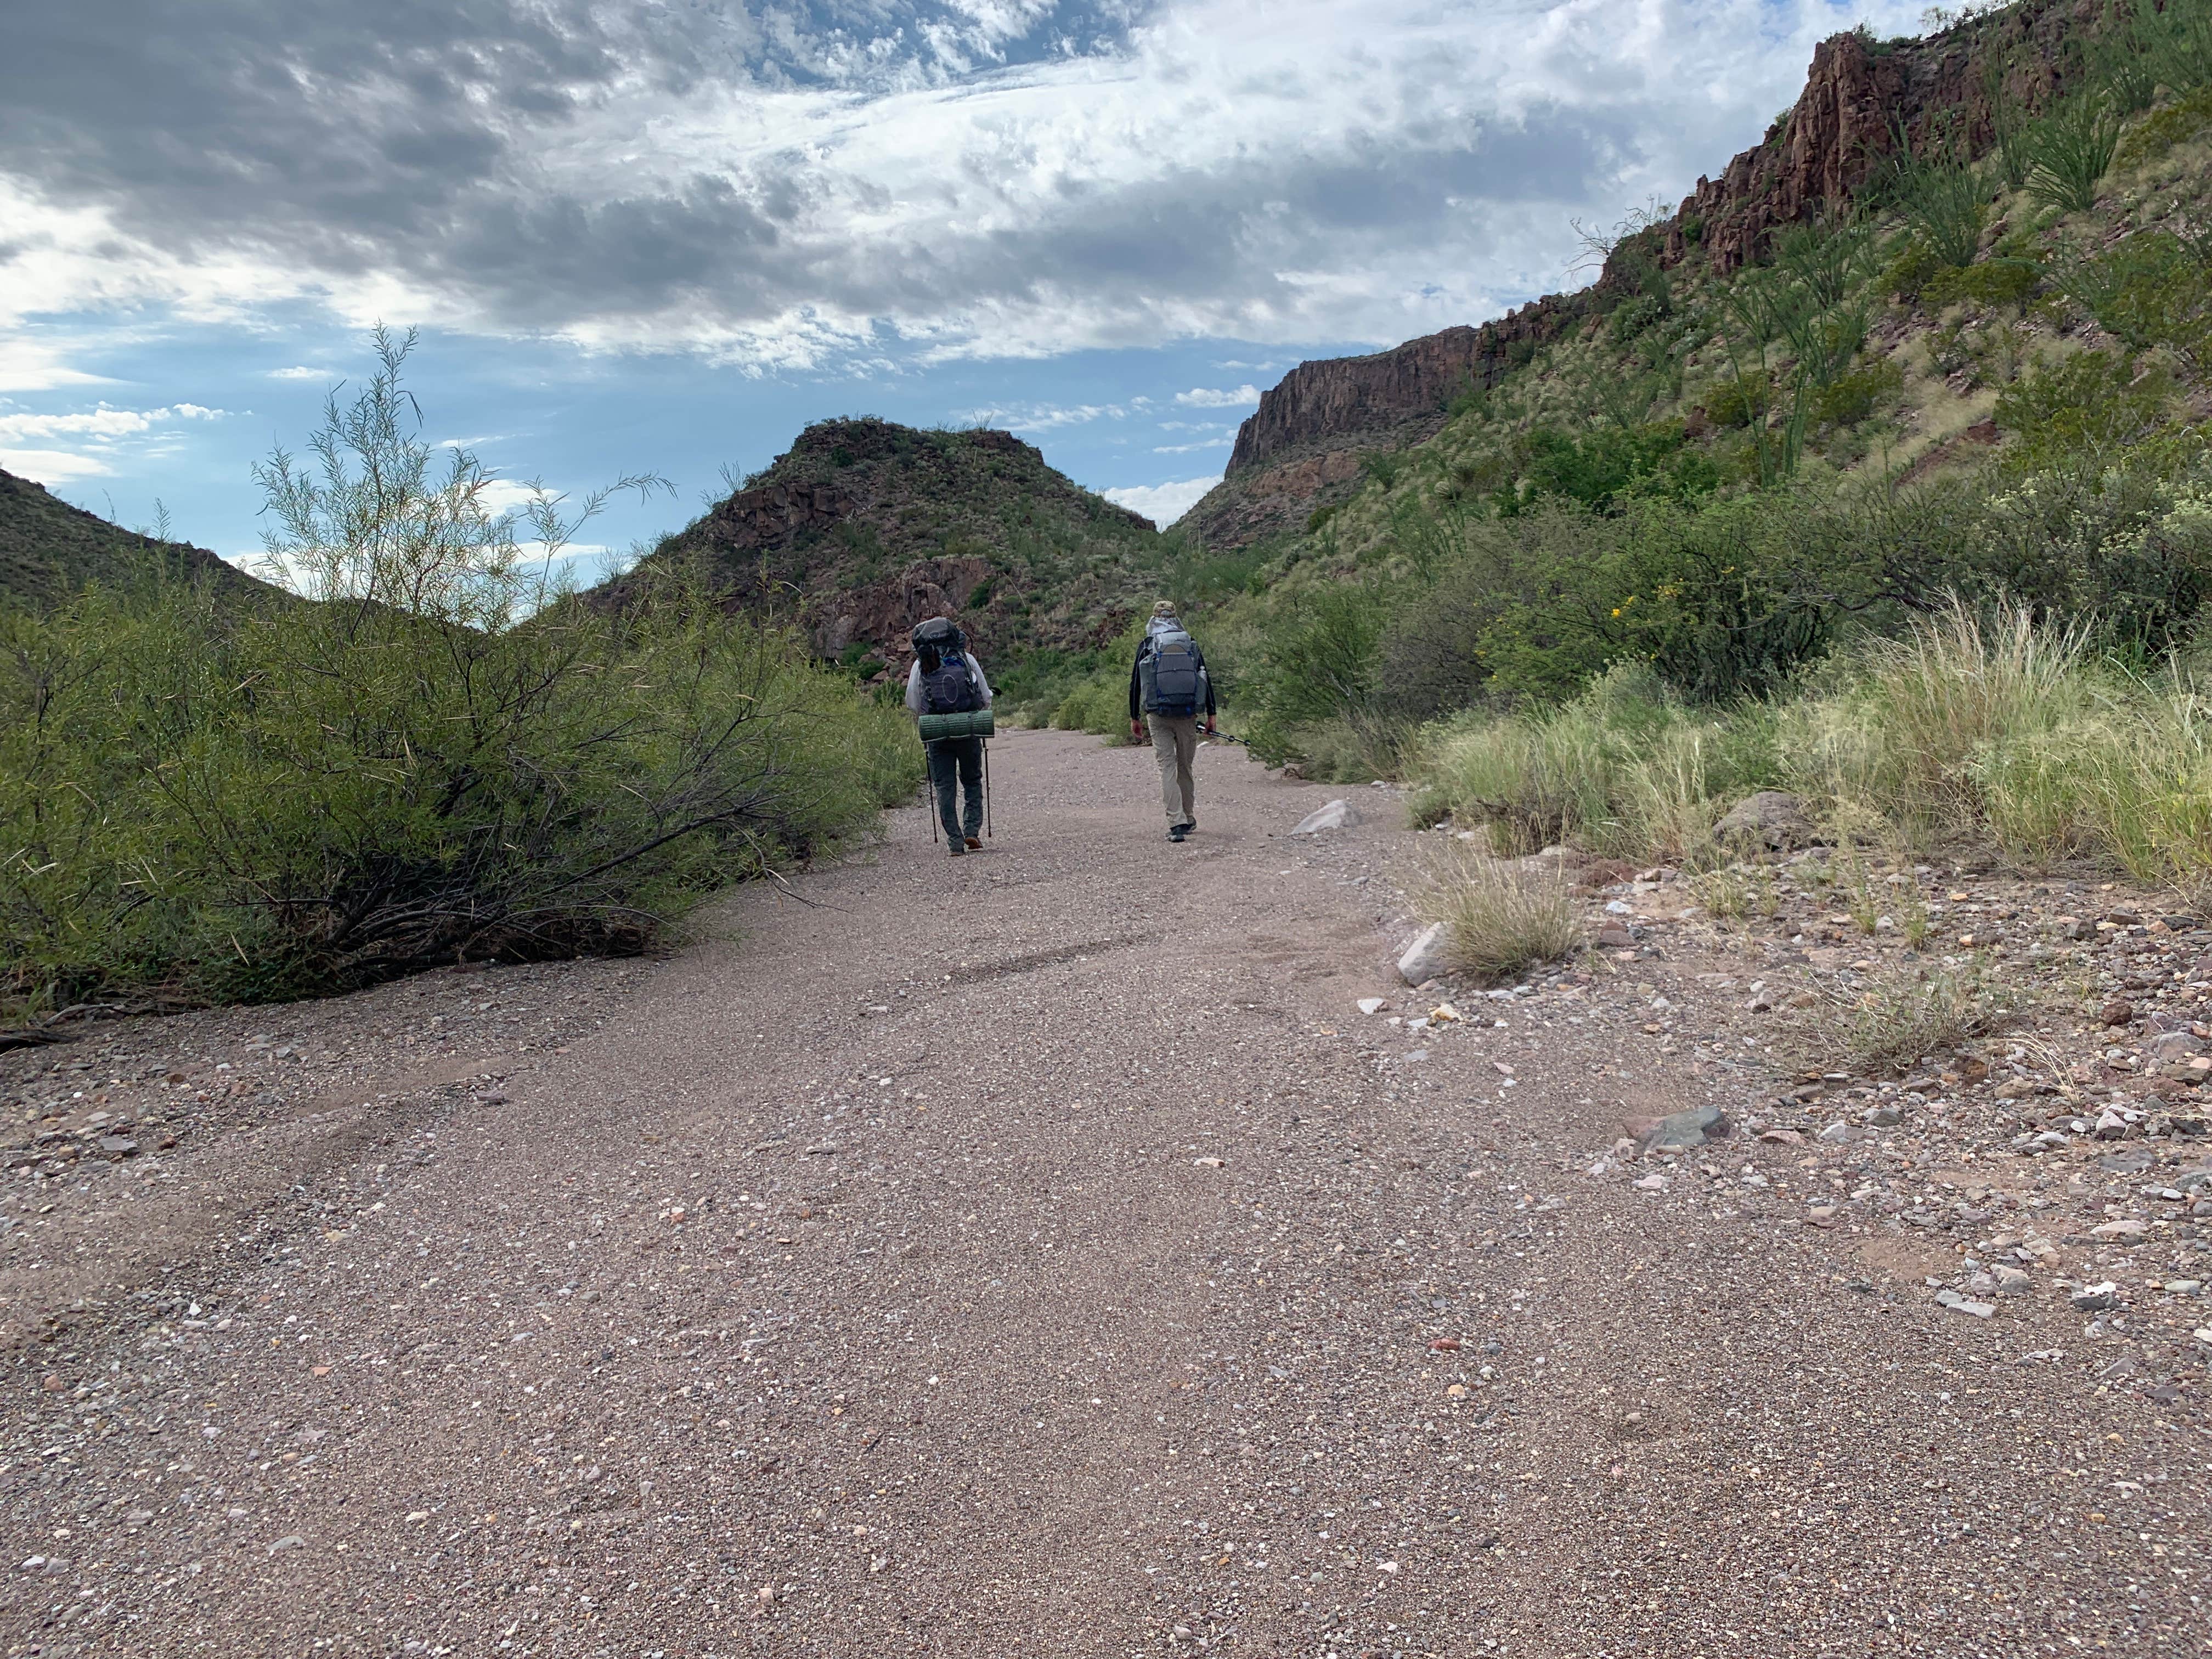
pixel 914 683
pixel 1136 679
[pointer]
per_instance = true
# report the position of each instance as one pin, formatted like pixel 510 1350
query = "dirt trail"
pixel 1036 1254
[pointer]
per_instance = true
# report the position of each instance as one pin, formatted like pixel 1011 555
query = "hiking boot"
pixel 1176 833
pixel 957 850
pixel 975 843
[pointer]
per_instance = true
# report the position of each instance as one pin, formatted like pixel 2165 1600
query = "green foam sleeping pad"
pixel 937 727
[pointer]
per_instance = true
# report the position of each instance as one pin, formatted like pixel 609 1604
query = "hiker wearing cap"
pixel 1168 687
pixel 946 679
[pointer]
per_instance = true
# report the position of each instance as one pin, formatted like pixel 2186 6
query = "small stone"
pixel 1337 815
pixel 2119 1011
pixel 290 1541
pixel 1652 1183
pixel 2118 1230
pixel 1207 1163
pixel 1882 1117
pixel 1837 1132
pixel 1615 936
pixel 118 1145
pixel 1974 1310
pixel 820 1148
pixel 2111 1126
pixel 1427 956
pixel 1372 1005
pixel 1618 907
pixel 2095 1298
pixel 2012 1281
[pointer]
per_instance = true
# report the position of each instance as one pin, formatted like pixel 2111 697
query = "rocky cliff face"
pixel 865 528
pixel 1299 449
pixel 1860 94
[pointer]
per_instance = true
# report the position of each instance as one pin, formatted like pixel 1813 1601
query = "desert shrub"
pixel 1738 401
pixel 433 756
pixel 1893 1019
pixel 1320 663
pixel 2176 123
pixel 1852 396
pixel 2072 150
pixel 1995 281
pixel 2149 290
pixel 2088 404
pixel 1912 265
pixel 1499 920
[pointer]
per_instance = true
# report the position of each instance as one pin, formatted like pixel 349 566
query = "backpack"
pixel 1168 672
pixel 948 684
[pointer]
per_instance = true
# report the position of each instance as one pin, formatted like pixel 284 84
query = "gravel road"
pixel 1037 1253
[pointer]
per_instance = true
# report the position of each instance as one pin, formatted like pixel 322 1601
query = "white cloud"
pixel 1200 397
pixel 1162 503
pixel 301 372
pixel 1046 418
pixel 98 433
pixel 52 466
pixel 1190 449
pixel 28 365
pixel 1290 172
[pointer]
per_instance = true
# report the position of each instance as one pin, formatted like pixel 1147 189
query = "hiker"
pixel 946 679
pixel 1168 685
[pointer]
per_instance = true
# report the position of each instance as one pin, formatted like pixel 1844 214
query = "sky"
pixel 662 237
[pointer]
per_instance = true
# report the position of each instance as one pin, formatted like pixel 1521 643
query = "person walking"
pixel 946 679
pixel 1168 687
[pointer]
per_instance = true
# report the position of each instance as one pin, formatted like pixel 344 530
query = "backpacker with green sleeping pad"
pixel 971 723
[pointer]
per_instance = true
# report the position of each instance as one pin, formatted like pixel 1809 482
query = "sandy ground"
pixel 1031 1254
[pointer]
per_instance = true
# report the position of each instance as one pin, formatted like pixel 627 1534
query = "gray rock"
pixel 1771 819
pixel 1337 815
pixel 1685 1129
pixel 2096 1298
pixel 2012 1281
pixel 2174 1045
pixel 1427 956
pixel 1973 1309
pixel 1882 1117
pixel 1837 1132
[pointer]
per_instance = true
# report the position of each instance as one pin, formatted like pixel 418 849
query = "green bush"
pixel 2176 123
pixel 2089 403
pixel 1853 397
pixel 1991 282
pixel 2072 151
pixel 432 756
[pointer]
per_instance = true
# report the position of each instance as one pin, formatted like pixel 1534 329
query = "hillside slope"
pixel 1300 452
pixel 866 527
pixel 49 549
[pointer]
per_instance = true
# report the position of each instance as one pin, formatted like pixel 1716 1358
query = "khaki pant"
pixel 1175 745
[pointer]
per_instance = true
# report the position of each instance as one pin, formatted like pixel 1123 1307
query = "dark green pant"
pixel 958 761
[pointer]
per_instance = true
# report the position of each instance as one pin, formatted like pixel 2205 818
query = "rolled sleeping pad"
pixel 935 728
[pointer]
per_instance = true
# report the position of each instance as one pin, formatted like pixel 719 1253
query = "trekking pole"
pixel 987 830
pixel 929 789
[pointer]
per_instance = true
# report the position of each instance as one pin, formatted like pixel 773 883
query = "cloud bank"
pixel 859 183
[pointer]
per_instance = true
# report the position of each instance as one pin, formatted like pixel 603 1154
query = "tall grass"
pixel 1974 727
pixel 1498 919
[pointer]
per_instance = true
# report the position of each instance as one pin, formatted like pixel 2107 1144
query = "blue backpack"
pixel 948 684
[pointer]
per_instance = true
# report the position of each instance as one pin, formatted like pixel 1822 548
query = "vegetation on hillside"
pixel 440 757
pixel 50 550
pixel 1984 386
pixel 834 533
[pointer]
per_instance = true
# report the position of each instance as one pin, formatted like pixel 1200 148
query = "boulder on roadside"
pixel 1773 818
pixel 1428 956
pixel 1337 815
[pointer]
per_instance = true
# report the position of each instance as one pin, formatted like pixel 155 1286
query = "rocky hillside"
pixel 866 527
pixel 1300 451
pixel 49 548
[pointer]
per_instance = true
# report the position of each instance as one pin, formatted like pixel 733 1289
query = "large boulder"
pixel 1337 815
pixel 1773 818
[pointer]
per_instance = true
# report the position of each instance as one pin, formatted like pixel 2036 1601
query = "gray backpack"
pixel 1169 673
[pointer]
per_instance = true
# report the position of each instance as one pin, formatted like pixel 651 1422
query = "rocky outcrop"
pixel 1410 386
pixel 1860 96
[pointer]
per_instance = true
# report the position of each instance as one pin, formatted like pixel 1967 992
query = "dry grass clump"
pixel 1897 1017
pixel 1502 918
